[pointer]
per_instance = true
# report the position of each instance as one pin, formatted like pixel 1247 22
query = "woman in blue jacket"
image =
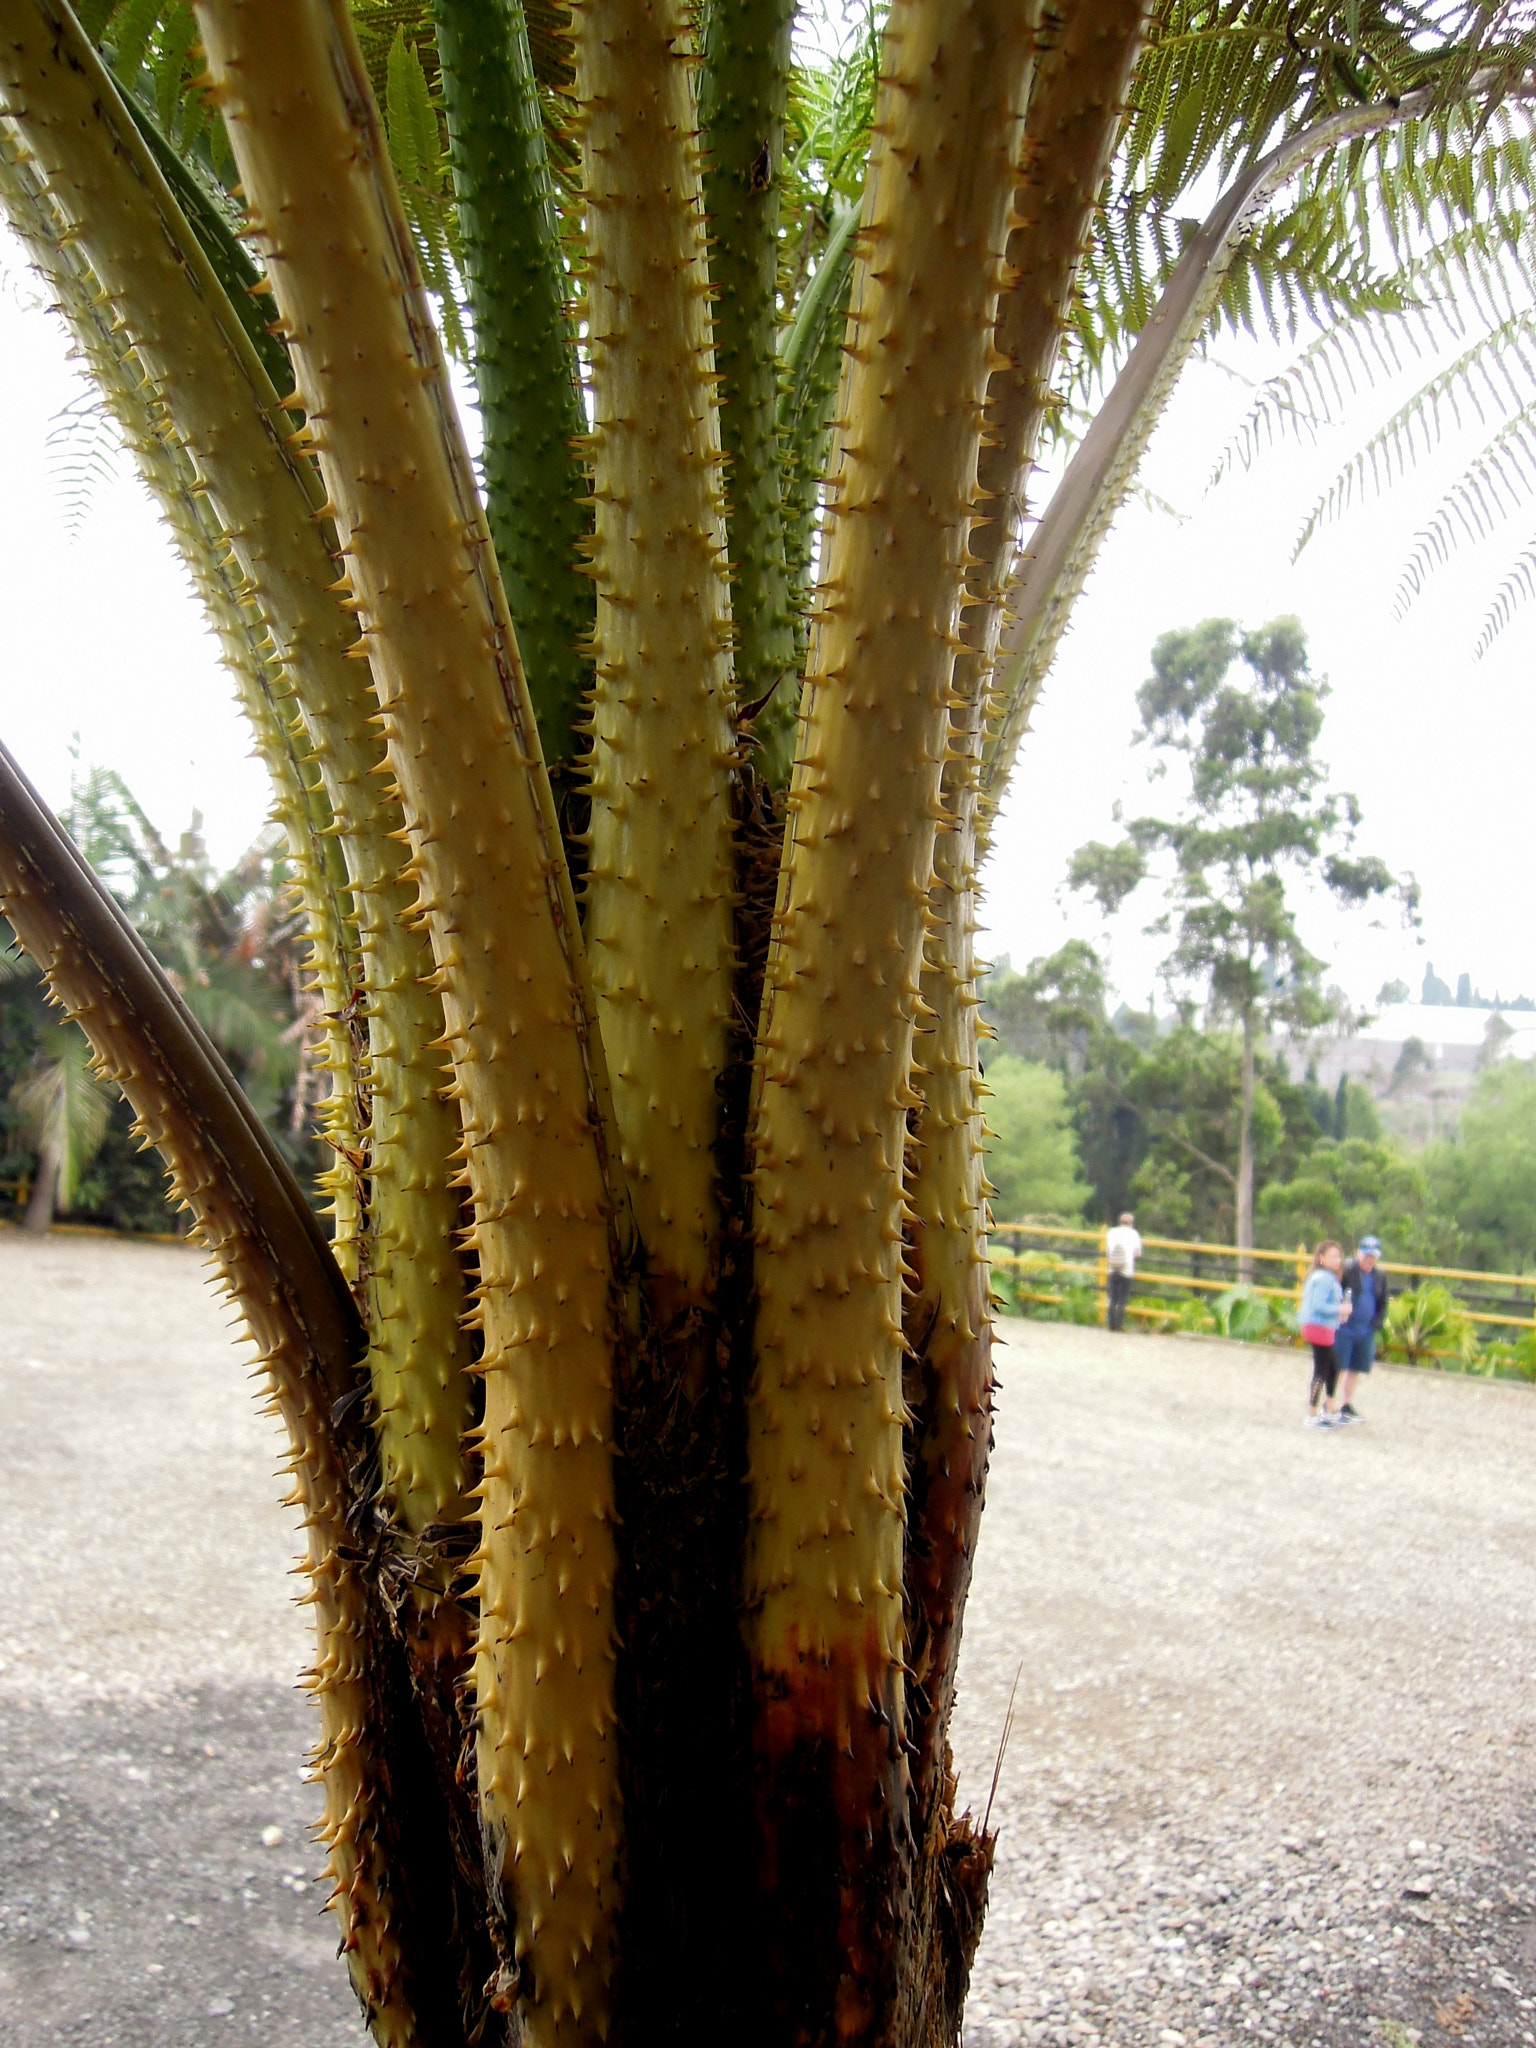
pixel 1324 1304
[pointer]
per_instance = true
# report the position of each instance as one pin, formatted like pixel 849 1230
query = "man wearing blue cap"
pixel 1355 1345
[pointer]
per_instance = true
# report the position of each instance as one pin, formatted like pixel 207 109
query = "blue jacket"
pixel 1322 1298
pixel 1352 1279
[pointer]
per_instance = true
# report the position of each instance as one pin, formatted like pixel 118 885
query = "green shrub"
pixel 1031 1149
pixel 1242 1314
pixel 1081 1303
pixel 1147 1303
pixel 1236 1312
pixel 1426 1324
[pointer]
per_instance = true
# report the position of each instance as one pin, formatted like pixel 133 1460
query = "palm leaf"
pixel 64 1108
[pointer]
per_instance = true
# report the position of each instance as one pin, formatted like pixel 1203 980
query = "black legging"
pixel 1325 1370
pixel 1119 1295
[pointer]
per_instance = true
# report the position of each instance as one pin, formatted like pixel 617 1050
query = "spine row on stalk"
pixel 535 482
pixel 1073 120
pixel 659 882
pixel 825 1554
pixel 299 1316
pixel 258 488
pixel 743 92
pixel 57 195
pixel 464 748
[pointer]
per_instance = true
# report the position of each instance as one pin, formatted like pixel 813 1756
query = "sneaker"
pixel 1313 1420
pixel 1347 1414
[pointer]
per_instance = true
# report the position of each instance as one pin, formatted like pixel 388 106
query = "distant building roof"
pixel 1441 1024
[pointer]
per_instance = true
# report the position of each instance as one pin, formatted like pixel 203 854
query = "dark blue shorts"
pixel 1355 1350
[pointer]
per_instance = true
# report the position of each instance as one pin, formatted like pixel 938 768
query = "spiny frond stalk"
pixel 536 485
pixel 1074 119
pixel 659 882
pixel 464 748
pixel 743 90
pixel 811 361
pixel 251 523
pixel 92 211
pixel 260 1231
pixel 824 1555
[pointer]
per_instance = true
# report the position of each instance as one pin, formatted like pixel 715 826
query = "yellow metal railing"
pixel 1299 1261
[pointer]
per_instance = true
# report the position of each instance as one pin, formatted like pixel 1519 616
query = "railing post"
pixel 1104 1275
pixel 1301 1281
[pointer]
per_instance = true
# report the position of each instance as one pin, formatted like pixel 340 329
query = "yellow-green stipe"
pixel 260 487
pixel 300 1322
pixel 1074 117
pixel 462 744
pixel 1076 111
pixel 824 1555
pixel 658 908
pixel 55 102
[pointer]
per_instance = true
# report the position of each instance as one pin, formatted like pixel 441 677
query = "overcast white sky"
pixel 1437 745
pixel 102 638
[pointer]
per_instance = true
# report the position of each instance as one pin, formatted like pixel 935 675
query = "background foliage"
pixel 232 945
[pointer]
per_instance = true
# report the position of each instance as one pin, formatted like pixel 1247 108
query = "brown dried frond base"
pixel 953 1873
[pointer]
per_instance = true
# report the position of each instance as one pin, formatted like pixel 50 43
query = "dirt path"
pixel 1270 1679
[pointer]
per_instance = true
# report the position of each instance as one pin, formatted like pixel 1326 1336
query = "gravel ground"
pixel 150 1732
pixel 1271 1768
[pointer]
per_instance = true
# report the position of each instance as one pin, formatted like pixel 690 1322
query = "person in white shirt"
pixel 1122 1248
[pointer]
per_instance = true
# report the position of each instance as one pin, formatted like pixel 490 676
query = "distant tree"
pixel 1391 992
pixel 64 1111
pixel 1051 1010
pixel 1485 1178
pixel 1258 815
pixel 1344 1189
pixel 1412 1058
pixel 1032 1154
pixel 1496 1035
pixel 235 951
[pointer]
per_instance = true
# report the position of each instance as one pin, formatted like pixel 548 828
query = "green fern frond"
pixel 1497 481
pixel 1495 372
pixel 418 148
pixel 171 62
pixel 1518 586
pixel 132 27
